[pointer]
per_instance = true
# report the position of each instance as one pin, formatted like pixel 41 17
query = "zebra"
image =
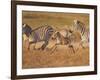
pixel 42 33
pixel 61 36
pixel 74 40
pixel 68 38
pixel 81 27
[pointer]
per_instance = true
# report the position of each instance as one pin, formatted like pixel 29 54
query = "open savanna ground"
pixel 62 56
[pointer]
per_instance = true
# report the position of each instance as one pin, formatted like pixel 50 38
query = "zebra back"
pixel 42 33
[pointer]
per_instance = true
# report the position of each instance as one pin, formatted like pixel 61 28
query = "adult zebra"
pixel 42 33
pixel 81 27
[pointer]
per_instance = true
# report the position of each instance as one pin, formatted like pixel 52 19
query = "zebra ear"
pixel 24 25
pixel 58 34
pixel 75 21
pixel 70 31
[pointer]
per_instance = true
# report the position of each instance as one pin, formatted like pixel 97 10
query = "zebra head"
pixel 56 36
pixel 78 25
pixel 77 21
pixel 26 29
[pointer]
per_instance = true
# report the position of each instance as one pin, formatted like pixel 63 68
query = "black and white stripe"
pixel 81 27
pixel 42 33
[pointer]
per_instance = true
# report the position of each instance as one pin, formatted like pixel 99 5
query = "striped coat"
pixel 81 27
pixel 61 36
pixel 42 33
pixel 69 38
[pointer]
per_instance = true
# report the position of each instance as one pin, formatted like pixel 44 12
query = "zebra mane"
pixel 46 25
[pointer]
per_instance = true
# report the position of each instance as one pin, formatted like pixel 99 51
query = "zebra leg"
pixel 34 46
pixel 71 46
pixel 44 45
pixel 30 43
pixel 82 45
pixel 26 44
pixel 29 46
pixel 53 49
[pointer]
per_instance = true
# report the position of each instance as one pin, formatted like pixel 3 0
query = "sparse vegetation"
pixel 63 55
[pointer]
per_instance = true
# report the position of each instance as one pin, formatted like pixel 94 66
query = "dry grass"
pixel 56 20
pixel 63 55
pixel 60 57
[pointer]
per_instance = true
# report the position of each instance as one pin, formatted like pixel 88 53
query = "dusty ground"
pixel 62 56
